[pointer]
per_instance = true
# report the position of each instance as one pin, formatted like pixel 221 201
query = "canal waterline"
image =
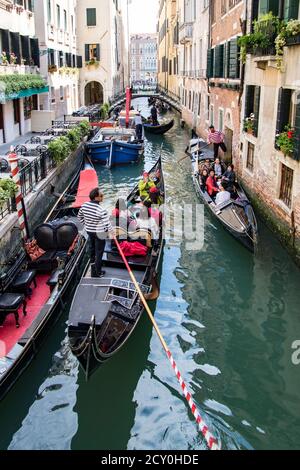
pixel 230 320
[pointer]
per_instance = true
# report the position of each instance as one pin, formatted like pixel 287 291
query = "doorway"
pixel 228 143
pixel 93 94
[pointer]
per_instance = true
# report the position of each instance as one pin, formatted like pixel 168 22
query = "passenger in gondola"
pixel 223 195
pixel 205 165
pixel 154 116
pixel 154 196
pixel 230 177
pixel 218 168
pixel 212 184
pixel 203 179
pixel 144 186
pixel 155 177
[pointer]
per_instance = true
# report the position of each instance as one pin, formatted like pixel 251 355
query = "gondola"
pixel 237 215
pixel 105 311
pixel 160 129
pixel 41 285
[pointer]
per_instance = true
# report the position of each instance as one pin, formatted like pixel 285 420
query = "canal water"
pixel 229 318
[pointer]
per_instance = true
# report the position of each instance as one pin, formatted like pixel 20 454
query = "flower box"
pixel 293 40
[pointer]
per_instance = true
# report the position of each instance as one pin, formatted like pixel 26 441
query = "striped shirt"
pixel 216 137
pixel 94 218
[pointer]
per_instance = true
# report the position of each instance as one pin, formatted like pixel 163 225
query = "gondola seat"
pixel 55 239
pixel 10 303
pixel 23 281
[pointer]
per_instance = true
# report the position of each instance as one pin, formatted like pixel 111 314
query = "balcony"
pixel 293 40
pixel 18 69
pixel 186 33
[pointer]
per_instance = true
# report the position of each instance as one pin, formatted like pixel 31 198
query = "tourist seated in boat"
pixel 155 177
pixel 144 186
pixel 205 165
pixel 223 195
pixel 218 168
pixel 203 179
pixel 154 196
pixel 212 184
pixel 146 223
pixel 230 177
pixel 138 126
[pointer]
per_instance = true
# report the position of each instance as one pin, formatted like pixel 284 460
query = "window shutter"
pixel 256 107
pixel 266 6
pixel 225 60
pixel 209 64
pixel 25 46
pixel 291 9
pixel 98 51
pixel 233 59
pixel 35 51
pixel 248 100
pixel 284 106
pixel 87 52
pixel 254 13
pixel 15 46
pixel 79 61
pixel 218 61
pixel 91 16
pixel 297 130
pixel 5 41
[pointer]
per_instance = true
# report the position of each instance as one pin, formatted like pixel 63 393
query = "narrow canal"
pixel 229 318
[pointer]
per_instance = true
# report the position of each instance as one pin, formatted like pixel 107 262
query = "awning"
pixel 22 94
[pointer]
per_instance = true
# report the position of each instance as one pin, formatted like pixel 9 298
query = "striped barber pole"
pixel 211 441
pixel 13 160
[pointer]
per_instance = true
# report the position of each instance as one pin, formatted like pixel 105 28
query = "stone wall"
pixel 38 204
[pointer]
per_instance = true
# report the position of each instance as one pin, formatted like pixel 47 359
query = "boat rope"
pixel 211 441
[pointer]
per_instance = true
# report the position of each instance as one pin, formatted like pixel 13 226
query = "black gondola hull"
pixel 159 130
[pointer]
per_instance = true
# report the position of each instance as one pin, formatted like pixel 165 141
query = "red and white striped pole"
pixel 13 160
pixel 211 441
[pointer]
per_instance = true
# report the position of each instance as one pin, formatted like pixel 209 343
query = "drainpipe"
pixel 243 71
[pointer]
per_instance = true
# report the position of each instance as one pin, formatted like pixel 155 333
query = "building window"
pixel 286 186
pixel 49 11
pixel 252 105
pixel 65 20
pixel 61 93
pixel 250 157
pixel 52 94
pixel 221 119
pixel 16 111
pixel 58 16
pixel 211 115
pixel 92 52
pixel 27 107
pixel 91 17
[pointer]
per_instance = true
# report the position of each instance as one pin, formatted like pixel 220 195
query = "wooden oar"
pixel 199 149
pixel 211 441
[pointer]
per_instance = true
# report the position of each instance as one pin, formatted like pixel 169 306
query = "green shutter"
pixel 256 108
pixel 291 9
pixel 284 107
pixel 98 51
pixel 233 59
pixel 209 64
pixel 5 41
pixel 266 6
pixel 91 16
pixel 218 61
pixel 297 130
pixel 87 52
pixel 15 46
pixel 225 60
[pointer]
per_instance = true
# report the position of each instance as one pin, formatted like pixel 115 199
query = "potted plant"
pixel 4 58
pixel 12 58
pixel 285 141
pixel 249 124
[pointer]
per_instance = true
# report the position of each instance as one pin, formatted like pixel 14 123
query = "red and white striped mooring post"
pixel 13 160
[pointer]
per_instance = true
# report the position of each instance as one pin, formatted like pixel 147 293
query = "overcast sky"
pixel 143 16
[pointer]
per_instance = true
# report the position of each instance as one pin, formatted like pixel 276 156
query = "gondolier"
pixel 216 138
pixel 154 115
pixel 97 224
